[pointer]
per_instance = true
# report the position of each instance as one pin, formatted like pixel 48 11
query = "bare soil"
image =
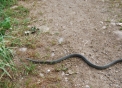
pixel 74 26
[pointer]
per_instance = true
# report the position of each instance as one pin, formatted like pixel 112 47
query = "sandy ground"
pixel 86 27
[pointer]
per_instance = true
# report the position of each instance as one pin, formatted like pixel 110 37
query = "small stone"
pixel 66 79
pixel 27 32
pixel 64 27
pixel 119 24
pixel 87 86
pixel 70 72
pixel 60 40
pixel 63 74
pixel 42 75
pixel 101 22
pixel 11 28
pixel 13 7
pixel 52 55
pixel 48 70
pixel 104 27
pixel 23 49
pixel 29 26
pixel 112 23
pixel 38 81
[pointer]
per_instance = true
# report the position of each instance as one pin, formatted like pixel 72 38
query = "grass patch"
pixel 120 28
pixel 30 69
pixel 61 68
pixel 6 56
pixel 120 21
pixel 6 3
pixel 7 84
pixel 6 62
pixel 18 12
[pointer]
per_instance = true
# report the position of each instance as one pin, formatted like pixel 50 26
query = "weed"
pixel 30 68
pixel 29 84
pixel 53 42
pixel 4 25
pixel 61 68
pixel 15 42
pixel 47 49
pixel 120 28
pixel 51 82
pixel 46 56
pixel 28 81
pixel 7 84
pixel 108 21
pixel 120 21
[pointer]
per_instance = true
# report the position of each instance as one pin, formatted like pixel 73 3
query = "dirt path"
pixel 78 26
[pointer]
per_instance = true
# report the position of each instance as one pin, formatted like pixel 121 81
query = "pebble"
pixel 66 79
pixel 60 40
pixel 52 55
pixel 70 72
pixel 112 23
pixel 41 75
pixel 38 81
pixel 87 86
pixel 27 32
pixel 119 24
pixel 13 7
pixel 48 70
pixel 23 49
pixel 63 74
pixel 104 27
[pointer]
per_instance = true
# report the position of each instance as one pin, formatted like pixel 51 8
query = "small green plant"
pixel 120 28
pixel 120 21
pixel 29 68
pixel 7 84
pixel 4 25
pixel 15 42
pixel 61 68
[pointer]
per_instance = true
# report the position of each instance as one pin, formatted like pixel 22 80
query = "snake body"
pixel 78 56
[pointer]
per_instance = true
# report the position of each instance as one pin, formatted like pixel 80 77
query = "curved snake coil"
pixel 80 57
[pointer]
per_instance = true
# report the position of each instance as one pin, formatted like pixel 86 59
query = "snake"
pixel 51 62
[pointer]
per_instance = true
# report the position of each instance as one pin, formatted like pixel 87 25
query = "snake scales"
pixel 78 56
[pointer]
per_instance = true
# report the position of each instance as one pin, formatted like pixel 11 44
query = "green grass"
pixel 61 68
pixel 6 61
pixel 120 21
pixel 30 69
pixel 4 25
pixel 7 84
pixel 120 28
pixel 6 57
pixel 11 19
pixel 18 12
pixel 6 3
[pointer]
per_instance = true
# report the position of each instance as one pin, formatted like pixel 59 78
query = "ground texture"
pixel 87 27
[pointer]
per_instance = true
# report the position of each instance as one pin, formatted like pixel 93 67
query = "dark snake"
pixel 78 56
